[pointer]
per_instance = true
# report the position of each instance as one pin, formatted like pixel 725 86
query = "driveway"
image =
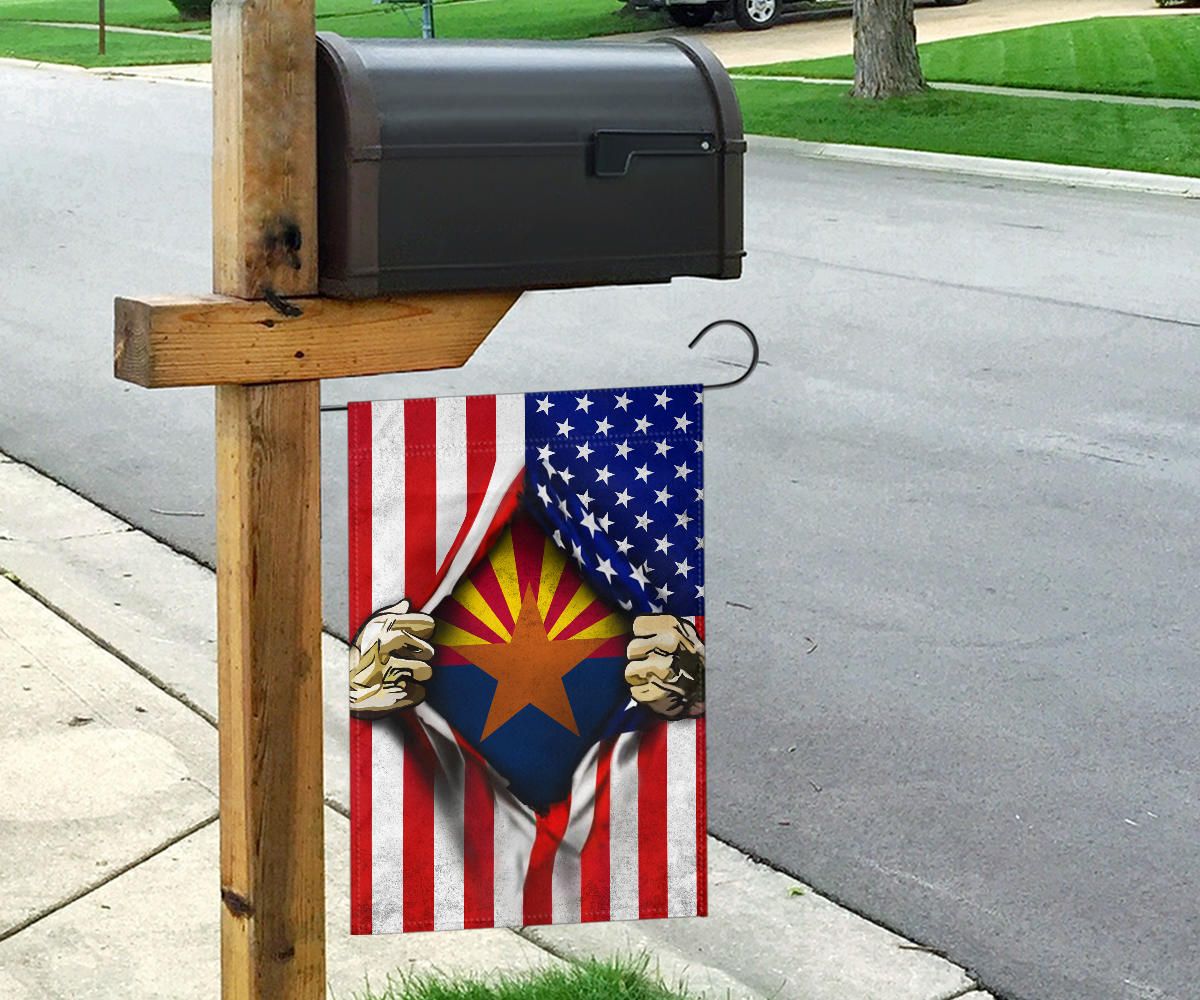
pixel 797 38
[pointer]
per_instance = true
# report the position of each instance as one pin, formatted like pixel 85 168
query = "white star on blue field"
pixel 617 477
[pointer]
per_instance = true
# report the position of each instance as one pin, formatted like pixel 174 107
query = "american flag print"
pixel 527 786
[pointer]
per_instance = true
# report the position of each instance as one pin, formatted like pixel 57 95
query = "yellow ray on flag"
pixel 553 562
pixel 605 628
pixel 504 562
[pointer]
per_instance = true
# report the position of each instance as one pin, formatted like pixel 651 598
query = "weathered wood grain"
pixel 264 147
pixel 211 340
pixel 269 657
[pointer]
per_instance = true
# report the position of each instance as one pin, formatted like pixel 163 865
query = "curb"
pixel 8 62
pixel 192 74
pixel 1100 178
pixel 985 166
pixel 160 73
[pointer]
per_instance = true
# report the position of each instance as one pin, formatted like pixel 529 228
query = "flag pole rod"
pixel 713 387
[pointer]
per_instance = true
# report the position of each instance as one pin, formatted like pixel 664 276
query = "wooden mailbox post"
pixel 266 363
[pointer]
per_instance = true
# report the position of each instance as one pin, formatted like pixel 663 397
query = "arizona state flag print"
pixel 527 673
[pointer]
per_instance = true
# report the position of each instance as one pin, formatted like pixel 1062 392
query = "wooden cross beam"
pixel 266 365
pixel 213 340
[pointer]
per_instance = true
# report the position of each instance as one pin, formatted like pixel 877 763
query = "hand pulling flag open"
pixel 527 677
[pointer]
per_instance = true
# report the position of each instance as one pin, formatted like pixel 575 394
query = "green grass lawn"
pixel 159 14
pixel 77 46
pixel 590 981
pixel 1084 133
pixel 1157 56
pixel 455 18
pixel 561 19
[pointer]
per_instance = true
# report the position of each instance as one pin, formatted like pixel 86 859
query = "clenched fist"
pixel 666 666
pixel 388 661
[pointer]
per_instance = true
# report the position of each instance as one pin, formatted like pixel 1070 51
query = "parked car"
pixel 753 15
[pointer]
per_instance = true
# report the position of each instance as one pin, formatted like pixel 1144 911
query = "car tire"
pixel 756 15
pixel 692 15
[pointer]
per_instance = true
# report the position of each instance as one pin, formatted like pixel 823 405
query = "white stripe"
pixel 624 895
pixel 449 867
pixel 681 818
pixel 387 826
pixel 515 827
pixel 387 739
pixel 387 503
pixel 510 460
pixel 567 880
pixel 452 446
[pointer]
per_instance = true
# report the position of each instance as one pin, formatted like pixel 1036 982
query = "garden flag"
pixel 527 674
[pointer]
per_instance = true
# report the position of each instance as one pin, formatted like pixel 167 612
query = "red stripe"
pixel 539 880
pixel 420 579
pixel 594 858
pixel 479 843
pixel 504 514
pixel 359 478
pixel 480 447
pixel 420 771
pixel 701 810
pixel 420 500
pixel 652 822
pixel 701 825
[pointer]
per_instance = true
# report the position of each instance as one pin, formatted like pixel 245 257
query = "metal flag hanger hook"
pixel 753 351
pixel 341 407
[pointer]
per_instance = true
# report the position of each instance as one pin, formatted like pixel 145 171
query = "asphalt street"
pixel 952 546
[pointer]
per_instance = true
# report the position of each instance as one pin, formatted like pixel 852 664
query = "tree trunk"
pixel 886 63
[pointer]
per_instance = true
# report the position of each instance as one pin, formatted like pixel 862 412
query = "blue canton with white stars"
pixel 616 476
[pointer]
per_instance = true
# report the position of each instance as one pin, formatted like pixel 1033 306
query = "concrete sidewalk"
pixel 984 88
pixel 109 824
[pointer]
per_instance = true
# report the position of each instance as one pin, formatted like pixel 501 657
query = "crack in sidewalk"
pixel 116 873
pixel 974 988
pixel 107 646
pixel 103 532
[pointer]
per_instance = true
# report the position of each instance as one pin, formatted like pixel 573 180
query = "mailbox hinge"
pixel 614 149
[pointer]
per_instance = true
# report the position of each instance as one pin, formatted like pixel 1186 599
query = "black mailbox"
pixel 461 164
